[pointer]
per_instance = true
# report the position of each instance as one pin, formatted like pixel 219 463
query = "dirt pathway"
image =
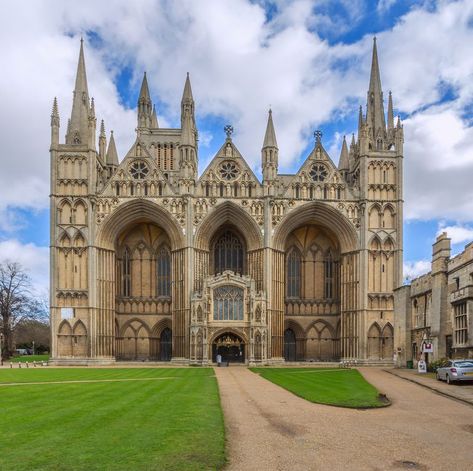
pixel 270 429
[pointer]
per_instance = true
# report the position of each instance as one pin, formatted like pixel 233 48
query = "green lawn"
pixel 336 387
pixel 162 419
pixel 27 358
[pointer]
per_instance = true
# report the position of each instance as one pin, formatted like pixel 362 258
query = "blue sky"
pixel 308 59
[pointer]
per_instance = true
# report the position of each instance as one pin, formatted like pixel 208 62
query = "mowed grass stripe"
pixel 344 387
pixel 139 425
pixel 74 374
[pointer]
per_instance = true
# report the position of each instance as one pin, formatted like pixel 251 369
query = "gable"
pixel 228 165
pixel 138 168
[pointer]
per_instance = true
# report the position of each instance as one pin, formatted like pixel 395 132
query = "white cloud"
pixel 240 63
pixel 413 269
pixel 34 259
pixel 459 234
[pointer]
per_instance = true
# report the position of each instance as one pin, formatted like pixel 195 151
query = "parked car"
pixel 456 370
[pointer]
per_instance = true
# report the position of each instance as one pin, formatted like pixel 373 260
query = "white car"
pixel 456 370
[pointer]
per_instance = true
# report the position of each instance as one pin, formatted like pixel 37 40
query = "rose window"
pixel 139 170
pixel 318 173
pixel 228 170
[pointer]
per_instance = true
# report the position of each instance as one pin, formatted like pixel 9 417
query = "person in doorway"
pixel 219 359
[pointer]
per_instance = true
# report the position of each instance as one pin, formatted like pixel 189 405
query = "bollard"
pixel 11 365
pixel 34 364
pixel 27 365
pixel 19 364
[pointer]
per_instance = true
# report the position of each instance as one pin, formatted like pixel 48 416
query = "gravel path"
pixel 271 429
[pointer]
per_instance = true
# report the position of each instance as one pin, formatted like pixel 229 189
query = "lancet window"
pixel 163 272
pixel 126 279
pixel 294 274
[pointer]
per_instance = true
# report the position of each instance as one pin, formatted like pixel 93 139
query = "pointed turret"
pixel 144 105
pixel 360 121
pixel 92 124
pixel 154 119
pixel 187 102
pixel 55 124
pixel 188 144
pixel 79 125
pixel 112 155
pixel 270 135
pixel 343 163
pixel 270 155
pixel 375 108
pixel 102 141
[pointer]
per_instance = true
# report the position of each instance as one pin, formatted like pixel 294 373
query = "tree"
pixel 17 302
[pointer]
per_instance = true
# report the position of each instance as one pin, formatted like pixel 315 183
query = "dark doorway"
pixel 448 346
pixel 289 345
pixel 165 345
pixel 230 346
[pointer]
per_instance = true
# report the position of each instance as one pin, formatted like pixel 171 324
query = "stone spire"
pixel 375 108
pixel 187 102
pixel 188 144
pixel 102 141
pixel 55 124
pixel 154 119
pixel 390 112
pixel 112 155
pixel 343 163
pixel 270 135
pixel 144 105
pixel 360 121
pixel 79 126
pixel 270 153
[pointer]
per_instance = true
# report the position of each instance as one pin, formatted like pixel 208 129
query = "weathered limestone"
pixel 152 262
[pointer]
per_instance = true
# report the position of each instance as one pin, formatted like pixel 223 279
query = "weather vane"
pixel 318 135
pixel 228 130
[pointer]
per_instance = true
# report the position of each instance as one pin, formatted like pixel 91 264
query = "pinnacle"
pixel 187 94
pixel 144 92
pixel 112 155
pixel 344 163
pixel 270 135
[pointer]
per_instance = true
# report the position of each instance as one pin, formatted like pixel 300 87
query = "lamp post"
pixel 33 347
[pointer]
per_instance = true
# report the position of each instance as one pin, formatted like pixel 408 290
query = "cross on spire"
pixel 228 130
pixel 318 135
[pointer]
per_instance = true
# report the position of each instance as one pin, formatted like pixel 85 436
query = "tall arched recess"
pixel 228 216
pixel 105 297
pixel 331 221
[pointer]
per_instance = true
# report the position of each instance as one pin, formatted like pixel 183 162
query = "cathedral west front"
pixel 151 261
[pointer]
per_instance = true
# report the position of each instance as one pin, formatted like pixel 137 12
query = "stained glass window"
pixel 163 272
pixel 126 278
pixel 294 274
pixel 228 253
pixel 228 303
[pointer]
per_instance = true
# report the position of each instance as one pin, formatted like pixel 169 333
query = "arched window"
pixel 163 272
pixel 293 274
pixel 228 253
pixel 228 303
pixel 329 272
pixel 126 276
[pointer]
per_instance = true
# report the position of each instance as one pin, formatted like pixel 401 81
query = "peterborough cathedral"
pixel 151 261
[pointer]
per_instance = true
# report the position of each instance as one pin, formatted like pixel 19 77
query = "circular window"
pixel 318 173
pixel 229 170
pixel 139 170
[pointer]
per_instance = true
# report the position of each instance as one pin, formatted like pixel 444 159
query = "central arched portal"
pixel 230 346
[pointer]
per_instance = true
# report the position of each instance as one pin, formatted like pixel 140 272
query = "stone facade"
pixel 150 261
pixel 437 307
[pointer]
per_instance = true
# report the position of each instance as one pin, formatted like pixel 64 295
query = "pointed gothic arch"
pixel 374 342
